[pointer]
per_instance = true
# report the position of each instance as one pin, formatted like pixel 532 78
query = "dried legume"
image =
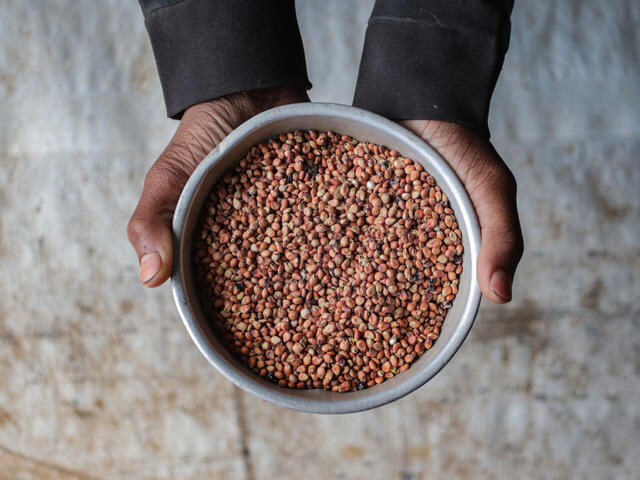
pixel 325 262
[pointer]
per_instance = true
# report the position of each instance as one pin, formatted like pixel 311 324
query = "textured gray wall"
pixel 98 378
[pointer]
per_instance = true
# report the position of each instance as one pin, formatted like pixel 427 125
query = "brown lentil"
pixel 325 262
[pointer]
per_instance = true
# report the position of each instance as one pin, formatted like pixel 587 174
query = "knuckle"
pixel 135 229
pixel 166 172
pixel 519 248
pixel 515 244
pixel 489 172
pixel 512 241
pixel 194 142
pixel 163 184
pixel 499 175
pixel 509 179
pixel 508 235
pixel 180 153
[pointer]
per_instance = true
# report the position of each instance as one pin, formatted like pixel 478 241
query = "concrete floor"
pixel 98 378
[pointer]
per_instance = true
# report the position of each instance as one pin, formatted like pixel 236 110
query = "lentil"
pixel 326 262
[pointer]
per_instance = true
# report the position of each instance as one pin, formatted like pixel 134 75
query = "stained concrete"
pixel 98 378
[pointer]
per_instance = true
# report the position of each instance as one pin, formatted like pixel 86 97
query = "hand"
pixel 202 127
pixel 492 188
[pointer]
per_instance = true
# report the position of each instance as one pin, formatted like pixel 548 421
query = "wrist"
pixel 238 107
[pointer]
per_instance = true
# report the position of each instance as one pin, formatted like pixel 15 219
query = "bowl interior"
pixel 363 126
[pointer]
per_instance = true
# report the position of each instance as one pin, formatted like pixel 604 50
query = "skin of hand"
pixel 492 189
pixel 202 127
pixel 489 182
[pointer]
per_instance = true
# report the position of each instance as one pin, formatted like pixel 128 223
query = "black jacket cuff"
pixel 434 59
pixel 205 49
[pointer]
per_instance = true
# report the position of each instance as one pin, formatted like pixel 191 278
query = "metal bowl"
pixel 364 126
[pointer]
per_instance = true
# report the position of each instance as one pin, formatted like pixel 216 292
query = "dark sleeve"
pixel 434 59
pixel 208 48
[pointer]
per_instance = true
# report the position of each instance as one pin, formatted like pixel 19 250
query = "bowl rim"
pixel 464 213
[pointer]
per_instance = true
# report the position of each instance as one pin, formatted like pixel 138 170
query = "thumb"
pixel 149 229
pixel 494 198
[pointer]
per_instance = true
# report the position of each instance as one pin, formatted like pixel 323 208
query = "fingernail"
pixel 500 284
pixel 150 265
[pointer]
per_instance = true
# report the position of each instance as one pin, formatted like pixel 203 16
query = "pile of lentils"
pixel 325 262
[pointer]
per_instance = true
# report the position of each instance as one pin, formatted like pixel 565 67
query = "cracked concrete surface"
pixel 98 378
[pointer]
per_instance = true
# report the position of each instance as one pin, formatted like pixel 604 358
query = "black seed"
pixel 312 169
pixel 289 178
pixel 385 164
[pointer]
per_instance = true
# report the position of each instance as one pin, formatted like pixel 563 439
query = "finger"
pixel 149 229
pixel 492 189
pixel 494 198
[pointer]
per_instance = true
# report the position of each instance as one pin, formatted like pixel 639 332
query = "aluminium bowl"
pixel 364 126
